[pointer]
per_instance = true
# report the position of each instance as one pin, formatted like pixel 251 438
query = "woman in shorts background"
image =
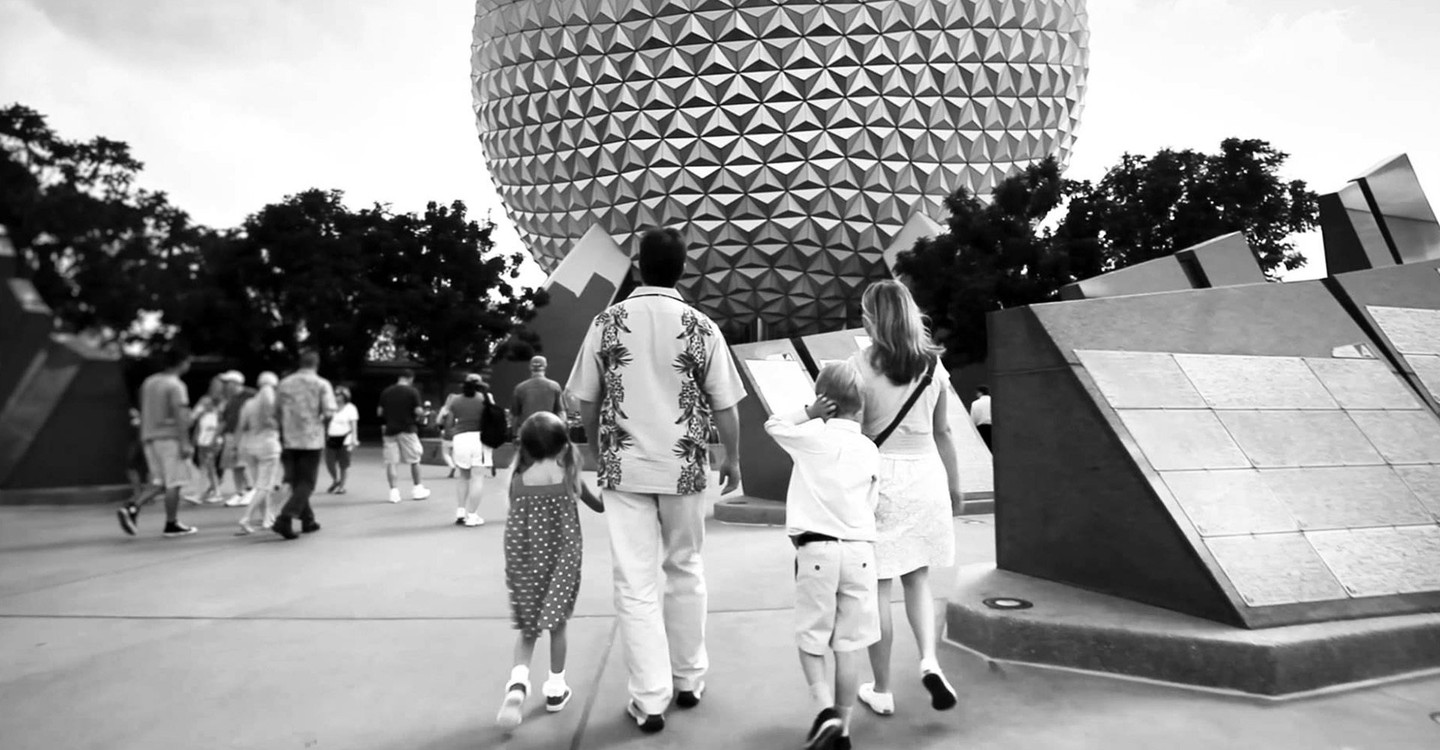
pixel 464 414
pixel 207 438
pixel 342 435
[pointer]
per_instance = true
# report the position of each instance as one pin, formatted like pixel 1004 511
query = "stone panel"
pixel 1140 380
pixel 1402 437
pixel 1281 439
pixel 1345 497
pixel 1233 501
pixel 1412 330
pixel 1272 569
pixel 1234 382
pixel 1427 368
pixel 1363 384
pixel 1178 440
pixel 1424 481
pixel 1380 562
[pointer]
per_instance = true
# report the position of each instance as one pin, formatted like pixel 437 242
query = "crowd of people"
pixel 869 501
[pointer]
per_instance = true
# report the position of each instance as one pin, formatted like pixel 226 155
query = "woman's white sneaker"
pixel 474 519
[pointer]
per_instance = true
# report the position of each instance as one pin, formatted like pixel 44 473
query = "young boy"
pixel 830 515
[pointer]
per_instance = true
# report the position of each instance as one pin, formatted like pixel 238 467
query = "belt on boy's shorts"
pixel 806 537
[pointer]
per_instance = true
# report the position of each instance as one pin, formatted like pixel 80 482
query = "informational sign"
pixel 783 384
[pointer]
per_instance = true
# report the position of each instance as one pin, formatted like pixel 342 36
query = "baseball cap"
pixel 538 362
pixel 233 376
pixel 474 377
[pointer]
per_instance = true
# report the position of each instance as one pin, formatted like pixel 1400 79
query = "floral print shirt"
pixel 658 370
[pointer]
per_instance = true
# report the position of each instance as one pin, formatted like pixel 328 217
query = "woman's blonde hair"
pixel 900 342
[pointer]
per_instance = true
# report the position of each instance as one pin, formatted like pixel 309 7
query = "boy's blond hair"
pixel 840 382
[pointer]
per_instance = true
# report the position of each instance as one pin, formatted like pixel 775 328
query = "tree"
pixel 452 299
pixel 99 250
pixel 998 255
pixel 995 256
pixel 1148 207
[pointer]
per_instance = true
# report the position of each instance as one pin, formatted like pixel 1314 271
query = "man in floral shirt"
pixel 303 402
pixel 652 376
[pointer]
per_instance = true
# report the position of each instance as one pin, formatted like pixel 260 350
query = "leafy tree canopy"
pixel 1011 251
pixel 98 250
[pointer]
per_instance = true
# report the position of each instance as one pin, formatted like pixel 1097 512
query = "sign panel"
pixel 1178 440
pixel 1363 384
pixel 1229 502
pixel 1379 562
pixel 783 384
pixel 1234 382
pixel 1273 569
pixel 1280 439
pixel 1345 497
pixel 1402 437
pixel 1140 380
pixel 1412 330
pixel 1424 481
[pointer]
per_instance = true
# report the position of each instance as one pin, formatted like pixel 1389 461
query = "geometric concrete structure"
pixel 1226 260
pixel 1399 306
pixel 592 278
pixel 64 410
pixel 790 140
pixel 1381 218
pixel 1208 452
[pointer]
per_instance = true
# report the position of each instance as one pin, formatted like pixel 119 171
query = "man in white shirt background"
pixel 980 413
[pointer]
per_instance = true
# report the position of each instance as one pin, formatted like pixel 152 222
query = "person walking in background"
pixel 919 479
pixel 236 395
pixel 542 556
pixel 651 375
pixel 464 416
pixel 259 433
pixel 830 517
pixel 207 439
pixel 342 435
pixel 304 400
pixel 401 407
pixel 538 393
pixel 980 414
pixel 165 433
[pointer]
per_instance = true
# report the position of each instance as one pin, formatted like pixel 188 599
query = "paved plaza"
pixel 390 629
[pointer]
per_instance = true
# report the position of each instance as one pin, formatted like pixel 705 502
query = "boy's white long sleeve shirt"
pixel 833 488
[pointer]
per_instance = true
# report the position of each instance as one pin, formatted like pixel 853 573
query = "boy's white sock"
pixel 929 665
pixel 555 686
pixel 821 696
pixel 845 719
pixel 520 674
pixel 459 512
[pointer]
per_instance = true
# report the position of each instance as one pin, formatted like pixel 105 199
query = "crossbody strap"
pixel 914 396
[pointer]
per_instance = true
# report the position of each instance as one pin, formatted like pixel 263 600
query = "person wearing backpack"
pixel 470 416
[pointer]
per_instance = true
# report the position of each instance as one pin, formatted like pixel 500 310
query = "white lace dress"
pixel 913 517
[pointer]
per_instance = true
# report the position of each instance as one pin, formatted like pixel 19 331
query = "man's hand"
pixel 729 475
pixel 822 408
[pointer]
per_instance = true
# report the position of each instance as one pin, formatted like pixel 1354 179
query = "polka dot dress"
pixel 542 556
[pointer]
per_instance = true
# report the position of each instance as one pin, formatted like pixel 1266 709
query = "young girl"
pixel 542 556
pixel 207 438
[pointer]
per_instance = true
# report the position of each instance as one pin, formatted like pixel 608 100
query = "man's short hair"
pixel 407 374
pixel 174 357
pixel 310 359
pixel 538 362
pixel 662 257
pixel 983 390
pixel 840 382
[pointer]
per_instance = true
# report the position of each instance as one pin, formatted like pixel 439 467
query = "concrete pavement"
pixel 390 629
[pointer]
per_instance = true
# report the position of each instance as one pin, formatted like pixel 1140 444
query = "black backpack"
pixel 494 427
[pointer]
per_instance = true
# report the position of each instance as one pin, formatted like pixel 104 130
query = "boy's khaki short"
pixel 835 606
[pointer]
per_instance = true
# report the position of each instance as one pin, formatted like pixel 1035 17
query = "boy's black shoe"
pixel 824 731
pixel 942 696
pixel 648 723
pixel 128 515
pixel 841 743
pixel 175 528
pixel 309 527
pixel 282 527
pixel 690 698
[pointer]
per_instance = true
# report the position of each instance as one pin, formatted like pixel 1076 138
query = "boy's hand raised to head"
pixel 822 408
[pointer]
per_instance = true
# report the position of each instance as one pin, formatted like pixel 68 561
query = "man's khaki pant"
pixel 664 641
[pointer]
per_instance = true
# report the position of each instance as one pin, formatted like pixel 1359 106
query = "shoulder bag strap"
pixel 914 396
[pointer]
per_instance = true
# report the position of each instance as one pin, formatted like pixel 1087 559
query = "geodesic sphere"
pixel 789 140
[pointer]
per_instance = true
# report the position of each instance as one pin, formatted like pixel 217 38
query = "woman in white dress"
pixel 919 480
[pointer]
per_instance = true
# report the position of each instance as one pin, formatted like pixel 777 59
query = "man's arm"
pixel 727 423
pixel 560 410
pixel 181 407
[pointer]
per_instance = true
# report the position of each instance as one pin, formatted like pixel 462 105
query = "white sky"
pixel 233 104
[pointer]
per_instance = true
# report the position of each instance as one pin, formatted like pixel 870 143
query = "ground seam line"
pixel 594 689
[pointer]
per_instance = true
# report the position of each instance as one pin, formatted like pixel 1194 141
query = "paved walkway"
pixel 390 629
